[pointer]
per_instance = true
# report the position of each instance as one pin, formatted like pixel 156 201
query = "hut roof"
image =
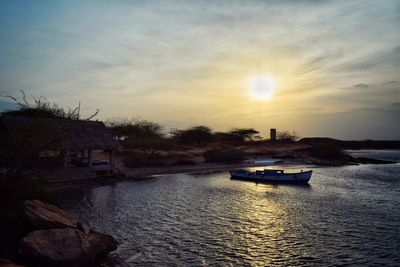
pixel 60 133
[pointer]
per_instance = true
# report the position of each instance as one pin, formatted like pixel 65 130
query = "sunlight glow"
pixel 262 87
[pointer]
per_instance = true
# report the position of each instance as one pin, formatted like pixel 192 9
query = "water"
pixel 347 216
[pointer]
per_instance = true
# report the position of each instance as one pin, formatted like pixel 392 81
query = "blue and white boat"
pixel 273 176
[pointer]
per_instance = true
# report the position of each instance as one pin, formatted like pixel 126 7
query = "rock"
pixel 46 216
pixel 66 247
pixel 8 263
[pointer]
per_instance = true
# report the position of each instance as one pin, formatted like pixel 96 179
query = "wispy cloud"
pixel 168 60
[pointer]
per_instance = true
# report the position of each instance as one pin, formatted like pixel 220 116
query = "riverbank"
pixel 284 155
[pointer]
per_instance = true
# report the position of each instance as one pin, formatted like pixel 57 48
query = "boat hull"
pixel 286 178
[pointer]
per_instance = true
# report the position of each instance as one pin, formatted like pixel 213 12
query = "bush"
pixel 326 151
pixel 181 162
pixel 224 156
pixel 227 138
pixel 287 137
pixel 195 135
pixel 135 160
pixel 245 134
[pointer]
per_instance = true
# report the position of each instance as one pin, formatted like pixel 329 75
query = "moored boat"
pixel 273 176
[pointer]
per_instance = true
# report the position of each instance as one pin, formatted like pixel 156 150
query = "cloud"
pixel 170 59
pixel 390 83
pixel 356 86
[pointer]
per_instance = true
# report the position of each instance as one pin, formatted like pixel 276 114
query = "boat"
pixel 273 176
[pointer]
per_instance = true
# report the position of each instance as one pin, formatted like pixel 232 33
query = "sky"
pixel 335 64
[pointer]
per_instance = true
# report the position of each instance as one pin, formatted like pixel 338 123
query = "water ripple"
pixel 181 220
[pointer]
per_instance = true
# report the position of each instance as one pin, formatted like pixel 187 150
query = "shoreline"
pixel 143 173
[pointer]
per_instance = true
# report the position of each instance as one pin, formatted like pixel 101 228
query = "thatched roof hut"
pixel 58 133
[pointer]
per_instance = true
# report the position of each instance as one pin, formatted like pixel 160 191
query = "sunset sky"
pixel 335 64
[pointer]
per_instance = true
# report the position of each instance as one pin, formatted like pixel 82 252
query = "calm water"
pixel 347 216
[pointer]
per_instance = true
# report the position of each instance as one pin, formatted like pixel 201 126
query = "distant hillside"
pixel 362 144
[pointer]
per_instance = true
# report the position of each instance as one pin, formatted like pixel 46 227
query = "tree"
pixel 197 134
pixel 124 128
pixel 246 134
pixel 149 146
pixel 286 136
pixel 227 137
pixel 42 108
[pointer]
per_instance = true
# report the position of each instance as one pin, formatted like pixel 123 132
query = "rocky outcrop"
pixel 66 247
pixel 8 263
pixel 61 240
pixel 46 216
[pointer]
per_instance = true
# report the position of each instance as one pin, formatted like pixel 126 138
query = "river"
pixel 346 216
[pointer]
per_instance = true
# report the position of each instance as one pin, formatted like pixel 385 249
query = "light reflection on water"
pixel 348 215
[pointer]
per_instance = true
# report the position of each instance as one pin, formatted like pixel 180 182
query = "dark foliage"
pixel 196 135
pixel 42 108
pixel 224 156
pixel 136 160
pixel 125 128
pixel 181 162
pixel 287 137
pixel 327 151
pixel 227 138
pixel 149 148
pixel 245 134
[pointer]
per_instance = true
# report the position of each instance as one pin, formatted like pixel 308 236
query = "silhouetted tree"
pixel 227 137
pixel 124 128
pixel 148 146
pixel 42 108
pixel 197 134
pixel 246 134
pixel 286 136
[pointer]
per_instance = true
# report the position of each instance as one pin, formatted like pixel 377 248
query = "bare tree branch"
pixel 93 115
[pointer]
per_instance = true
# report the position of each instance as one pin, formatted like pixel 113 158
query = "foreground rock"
pixel 46 216
pixel 8 263
pixel 66 247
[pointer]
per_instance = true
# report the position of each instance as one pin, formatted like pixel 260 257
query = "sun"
pixel 262 87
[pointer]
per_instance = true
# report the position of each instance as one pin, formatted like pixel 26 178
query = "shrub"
pixel 181 162
pixel 326 151
pixel 287 137
pixel 195 135
pixel 135 160
pixel 245 134
pixel 134 128
pixel 227 138
pixel 224 156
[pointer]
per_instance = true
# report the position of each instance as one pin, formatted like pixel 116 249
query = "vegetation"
pixel 149 147
pixel 124 128
pixel 287 136
pixel 327 151
pixel 42 108
pixel 227 138
pixel 199 135
pixel 245 134
pixel 224 156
